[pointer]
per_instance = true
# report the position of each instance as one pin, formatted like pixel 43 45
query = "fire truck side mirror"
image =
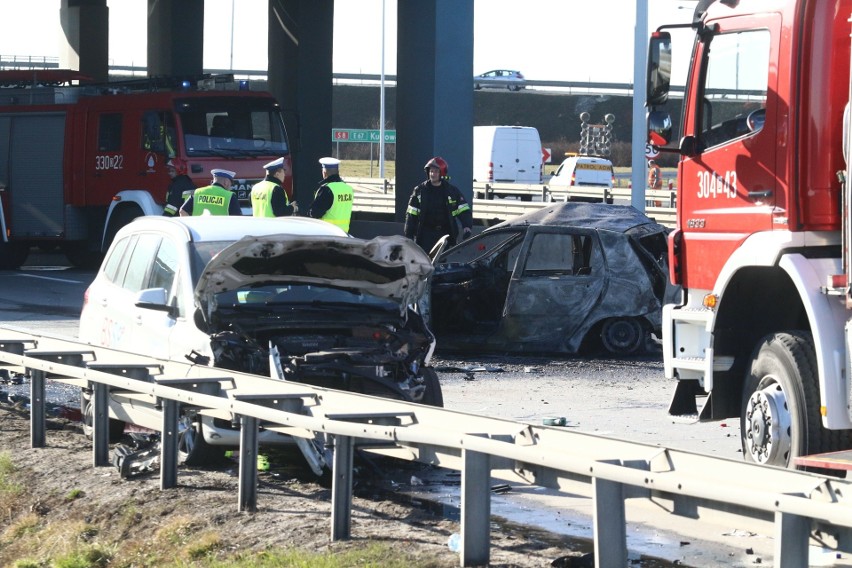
pixel 659 68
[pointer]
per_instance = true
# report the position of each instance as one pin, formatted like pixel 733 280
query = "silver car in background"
pixel 500 79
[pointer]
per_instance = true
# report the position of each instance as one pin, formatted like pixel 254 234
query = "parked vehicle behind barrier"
pixel 506 154
pixel 299 300
pixel 571 277
pixel 587 172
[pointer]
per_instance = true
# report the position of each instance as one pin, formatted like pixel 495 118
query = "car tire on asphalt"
pixel 116 427
pixel 623 336
pixel 433 395
pixel 193 450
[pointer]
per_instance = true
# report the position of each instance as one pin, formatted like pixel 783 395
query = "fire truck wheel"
pixel 433 396
pixel 116 427
pixel 622 336
pixel 13 255
pixel 780 417
pixel 192 449
pixel 120 218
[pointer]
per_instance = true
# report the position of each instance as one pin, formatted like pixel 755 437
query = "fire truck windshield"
pixel 231 127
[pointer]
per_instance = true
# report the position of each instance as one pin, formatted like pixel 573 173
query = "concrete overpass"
pixel 434 82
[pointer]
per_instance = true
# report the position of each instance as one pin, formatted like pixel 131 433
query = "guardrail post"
pixel 545 193
pixel 248 464
pixel 489 194
pixel 475 508
pixel 37 412
pixel 385 184
pixel 792 533
pixel 610 530
pixel 168 445
pixel 100 424
pixel 341 488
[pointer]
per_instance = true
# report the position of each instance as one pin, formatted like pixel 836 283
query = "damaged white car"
pixel 332 310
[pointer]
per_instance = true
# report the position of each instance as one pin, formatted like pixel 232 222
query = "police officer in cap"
pixel 268 197
pixel 214 199
pixel 333 199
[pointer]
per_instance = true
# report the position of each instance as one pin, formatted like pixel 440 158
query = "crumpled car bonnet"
pixel 391 267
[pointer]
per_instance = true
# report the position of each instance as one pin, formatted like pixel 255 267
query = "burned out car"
pixel 297 300
pixel 568 278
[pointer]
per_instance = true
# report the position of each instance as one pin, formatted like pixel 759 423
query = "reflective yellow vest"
pixel 340 212
pixel 213 198
pixel 261 199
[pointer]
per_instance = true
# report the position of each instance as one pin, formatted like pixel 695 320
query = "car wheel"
pixel 13 255
pixel 433 396
pixel 622 336
pixel 780 418
pixel 193 450
pixel 116 427
pixel 79 254
pixel 514 88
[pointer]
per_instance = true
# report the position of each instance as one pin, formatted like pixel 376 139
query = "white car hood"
pixel 391 267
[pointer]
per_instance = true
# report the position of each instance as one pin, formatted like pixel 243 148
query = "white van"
pixel 584 178
pixel 509 154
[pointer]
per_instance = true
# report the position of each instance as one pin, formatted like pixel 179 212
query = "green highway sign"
pixel 359 135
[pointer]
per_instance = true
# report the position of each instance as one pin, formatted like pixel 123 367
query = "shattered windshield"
pixel 230 127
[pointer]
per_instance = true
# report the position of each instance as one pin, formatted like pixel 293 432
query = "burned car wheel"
pixel 116 427
pixel 622 336
pixel 192 449
pixel 433 395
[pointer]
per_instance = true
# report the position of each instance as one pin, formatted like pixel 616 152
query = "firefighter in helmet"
pixel 333 198
pixel 214 199
pixel 435 206
pixel 180 188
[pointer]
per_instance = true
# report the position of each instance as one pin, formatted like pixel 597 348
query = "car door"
pixel 559 278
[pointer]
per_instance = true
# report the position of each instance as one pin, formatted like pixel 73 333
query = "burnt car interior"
pixel 568 278
pixel 473 299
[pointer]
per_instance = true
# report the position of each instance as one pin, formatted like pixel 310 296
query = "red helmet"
pixel 437 162
pixel 178 164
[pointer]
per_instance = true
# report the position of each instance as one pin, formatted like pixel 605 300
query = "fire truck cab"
pixel 79 161
pixel 763 329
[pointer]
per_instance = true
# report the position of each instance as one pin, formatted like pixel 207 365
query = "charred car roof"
pixel 616 218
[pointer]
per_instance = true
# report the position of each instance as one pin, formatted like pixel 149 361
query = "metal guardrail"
pixel 375 195
pixel 611 471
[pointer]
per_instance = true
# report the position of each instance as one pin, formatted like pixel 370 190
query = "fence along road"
pixel 611 472
pixel 374 195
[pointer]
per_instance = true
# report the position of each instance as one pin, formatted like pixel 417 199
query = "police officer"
pixel 434 207
pixel 333 199
pixel 268 197
pixel 214 199
pixel 180 188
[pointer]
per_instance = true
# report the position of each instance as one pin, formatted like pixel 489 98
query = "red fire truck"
pixel 79 161
pixel 762 245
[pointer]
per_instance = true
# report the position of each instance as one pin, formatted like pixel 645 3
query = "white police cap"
pixel 274 165
pixel 329 162
pixel 223 173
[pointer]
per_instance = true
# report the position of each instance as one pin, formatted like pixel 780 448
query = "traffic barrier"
pixel 609 471
pixel 377 196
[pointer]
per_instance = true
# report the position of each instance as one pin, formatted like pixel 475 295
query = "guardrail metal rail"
pixel 611 471
pixel 377 196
